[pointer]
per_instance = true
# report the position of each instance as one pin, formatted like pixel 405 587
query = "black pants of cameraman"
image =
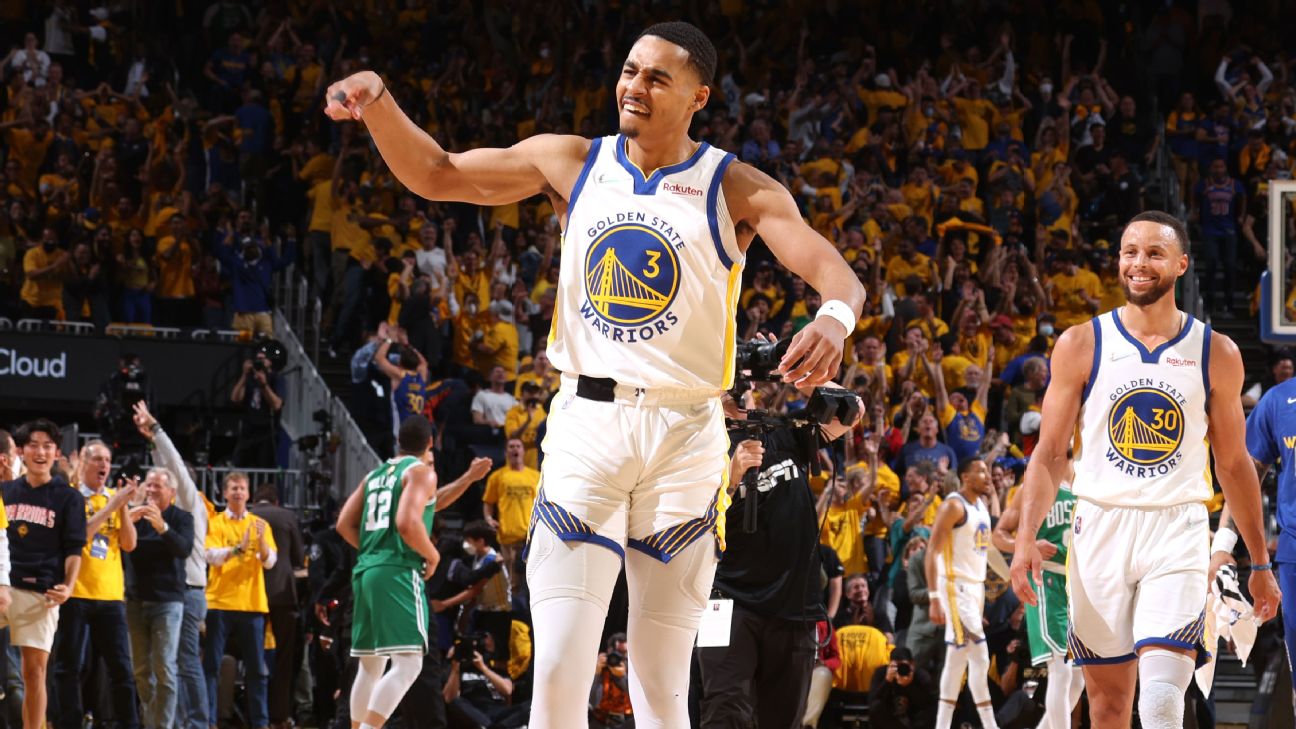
pixel 761 678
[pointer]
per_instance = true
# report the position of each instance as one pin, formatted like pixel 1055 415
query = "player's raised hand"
pixel 815 353
pixel 1027 563
pixel 346 99
pixel 1265 595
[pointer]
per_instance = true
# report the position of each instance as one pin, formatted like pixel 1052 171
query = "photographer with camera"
pixel 477 696
pixel 610 697
pixel 115 404
pixel 250 260
pixel 771 568
pixel 257 392
pixel 901 694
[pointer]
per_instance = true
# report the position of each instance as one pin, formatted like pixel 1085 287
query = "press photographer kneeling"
pixel 771 570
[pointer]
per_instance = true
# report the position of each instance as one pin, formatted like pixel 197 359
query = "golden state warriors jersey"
pixel 649 274
pixel 964 556
pixel 1143 419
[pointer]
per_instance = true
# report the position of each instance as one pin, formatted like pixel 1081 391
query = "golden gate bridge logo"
pixel 1145 426
pixel 631 274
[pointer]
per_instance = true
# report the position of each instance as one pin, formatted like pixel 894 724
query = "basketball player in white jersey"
pixel 1149 387
pixel 956 572
pixel 655 227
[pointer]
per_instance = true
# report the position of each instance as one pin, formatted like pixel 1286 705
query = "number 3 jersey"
pixel 380 541
pixel 1143 421
pixel 650 273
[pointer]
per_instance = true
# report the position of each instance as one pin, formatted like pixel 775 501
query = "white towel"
pixel 1228 615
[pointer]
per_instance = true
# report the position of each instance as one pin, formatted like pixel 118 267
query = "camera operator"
pixel 773 574
pixel 610 697
pixel 250 260
pixel 476 694
pixel 114 407
pixel 257 392
pixel 901 694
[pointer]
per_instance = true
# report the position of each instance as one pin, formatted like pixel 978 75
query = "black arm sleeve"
pixel 73 538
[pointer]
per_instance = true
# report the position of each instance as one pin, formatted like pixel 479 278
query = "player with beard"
pixel 655 230
pixel 1149 387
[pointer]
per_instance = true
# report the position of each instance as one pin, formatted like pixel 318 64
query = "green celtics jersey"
pixel 1057 524
pixel 380 542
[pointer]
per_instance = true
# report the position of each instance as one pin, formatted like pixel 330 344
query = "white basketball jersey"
pixel 964 556
pixel 650 273
pixel 1143 418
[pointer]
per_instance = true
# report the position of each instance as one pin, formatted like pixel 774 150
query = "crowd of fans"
pixel 160 169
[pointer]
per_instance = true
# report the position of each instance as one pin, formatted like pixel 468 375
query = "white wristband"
pixel 933 595
pixel 839 310
pixel 1225 540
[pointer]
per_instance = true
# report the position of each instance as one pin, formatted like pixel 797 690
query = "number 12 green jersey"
pixel 380 541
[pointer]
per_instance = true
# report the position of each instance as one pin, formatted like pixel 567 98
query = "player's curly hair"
pixel 702 53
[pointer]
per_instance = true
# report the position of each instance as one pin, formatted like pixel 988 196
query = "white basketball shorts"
pixel 964 606
pixel 1137 577
pixel 646 470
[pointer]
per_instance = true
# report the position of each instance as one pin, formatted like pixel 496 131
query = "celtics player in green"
pixel 1046 624
pixel 389 519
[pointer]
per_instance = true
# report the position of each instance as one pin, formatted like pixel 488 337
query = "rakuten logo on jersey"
pixel 1176 362
pixel 13 364
pixel 681 189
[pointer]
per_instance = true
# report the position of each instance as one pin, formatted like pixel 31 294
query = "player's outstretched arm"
pixel 450 493
pixel 1049 463
pixel 480 176
pixel 757 200
pixel 1235 468
pixel 419 490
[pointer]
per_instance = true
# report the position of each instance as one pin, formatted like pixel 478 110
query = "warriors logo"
pixel 1145 428
pixel 631 277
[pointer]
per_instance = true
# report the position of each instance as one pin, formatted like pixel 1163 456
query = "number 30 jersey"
pixel 380 542
pixel 1143 421
pixel 650 273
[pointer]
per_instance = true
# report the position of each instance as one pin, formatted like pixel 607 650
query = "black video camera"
pixel 615 659
pixel 757 360
pixel 466 645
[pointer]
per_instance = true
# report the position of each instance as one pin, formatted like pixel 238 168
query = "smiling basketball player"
pixel 1149 386
pixel 655 227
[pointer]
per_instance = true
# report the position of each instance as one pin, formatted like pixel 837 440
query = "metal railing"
pixel 306 399
pixel 298 489
pixel 302 309
pixel 147 331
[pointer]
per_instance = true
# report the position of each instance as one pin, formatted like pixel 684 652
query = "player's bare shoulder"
pixel 1223 349
pixel 746 188
pixel 1072 360
pixel 558 157
pixel 749 194
pixel 1226 370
